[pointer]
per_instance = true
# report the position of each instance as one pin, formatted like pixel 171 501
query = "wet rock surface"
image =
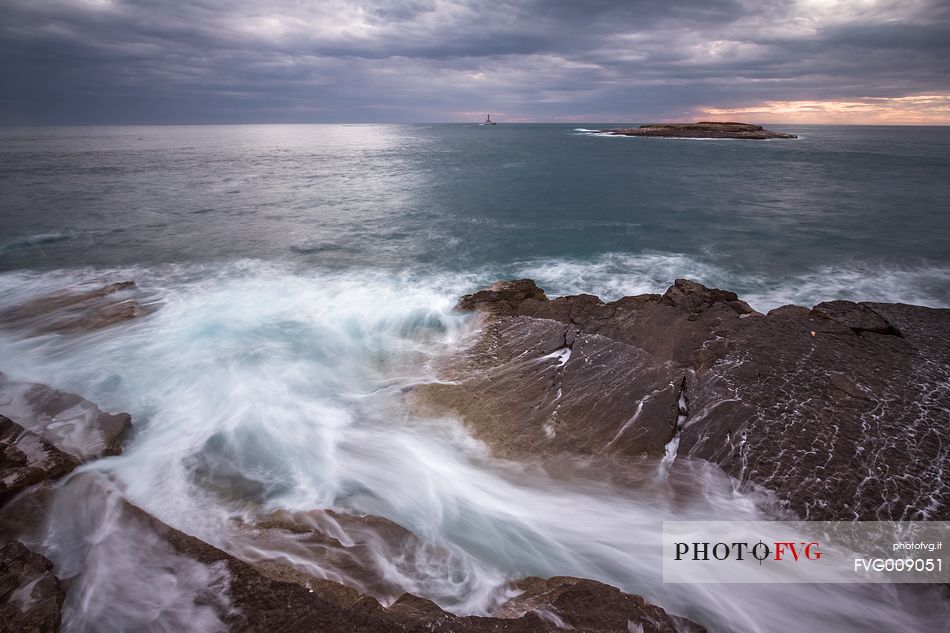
pixel 860 317
pixel 69 311
pixel 31 598
pixel 340 592
pixel 53 432
pixel 366 553
pixel 64 420
pixel 541 604
pixel 842 410
pixel 315 604
pixel 702 129
pixel 27 459
pixel 225 592
pixel 573 603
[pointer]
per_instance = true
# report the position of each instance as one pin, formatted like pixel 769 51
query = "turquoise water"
pixel 854 211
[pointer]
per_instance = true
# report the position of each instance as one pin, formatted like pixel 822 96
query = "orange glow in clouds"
pixel 917 110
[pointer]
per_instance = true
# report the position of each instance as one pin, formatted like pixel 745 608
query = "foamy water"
pixel 260 386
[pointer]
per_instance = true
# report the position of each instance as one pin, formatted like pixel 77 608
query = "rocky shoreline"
pixel 702 129
pixel 276 597
pixel 839 409
pixel 45 434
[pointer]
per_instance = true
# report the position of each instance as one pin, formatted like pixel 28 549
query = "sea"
pixel 301 277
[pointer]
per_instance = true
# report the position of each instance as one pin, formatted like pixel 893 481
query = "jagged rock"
pixel 31 599
pixel 694 297
pixel 502 295
pixel 46 433
pixel 841 410
pixel 69 311
pixel 702 129
pixel 347 549
pixel 857 316
pixel 27 459
pixel 789 311
pixel 583 605
pixel 243 597
pixel 538 386
pixel 67 421
pixel 573 603
pixel 263 603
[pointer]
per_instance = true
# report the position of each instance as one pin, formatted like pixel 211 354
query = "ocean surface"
pixel 840 212
pixel 302 276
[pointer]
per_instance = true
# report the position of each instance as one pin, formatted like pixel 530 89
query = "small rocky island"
pixel 702 129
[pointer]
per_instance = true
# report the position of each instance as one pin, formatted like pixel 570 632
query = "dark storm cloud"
pixel 393 60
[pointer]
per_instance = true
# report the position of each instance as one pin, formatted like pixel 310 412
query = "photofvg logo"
pixel 704 550
pixel 805 552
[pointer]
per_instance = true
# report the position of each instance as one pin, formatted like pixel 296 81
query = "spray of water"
pixel 256 388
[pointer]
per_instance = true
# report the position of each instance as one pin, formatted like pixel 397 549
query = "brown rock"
pixel 824 406
pixel 694 298
pixel 27 459
pixel 69 311
pixel 789 311
pixel 859 317
pixel 500 297
pixel 588 605
pixel 30 596
pixel 245 598
pixel 67 421
pixel 348 548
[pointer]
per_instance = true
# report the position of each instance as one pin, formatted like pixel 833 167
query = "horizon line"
pixel 465 122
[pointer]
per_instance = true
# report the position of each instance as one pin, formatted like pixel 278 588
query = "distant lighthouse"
pixel 488 120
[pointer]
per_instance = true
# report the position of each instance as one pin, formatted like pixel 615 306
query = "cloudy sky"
pixel 197 61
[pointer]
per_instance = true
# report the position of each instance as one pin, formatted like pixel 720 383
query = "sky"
pixel 262 61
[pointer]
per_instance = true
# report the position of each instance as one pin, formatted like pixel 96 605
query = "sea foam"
pixel 255 387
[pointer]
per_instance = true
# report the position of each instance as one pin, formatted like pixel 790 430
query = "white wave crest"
pixel 614 275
